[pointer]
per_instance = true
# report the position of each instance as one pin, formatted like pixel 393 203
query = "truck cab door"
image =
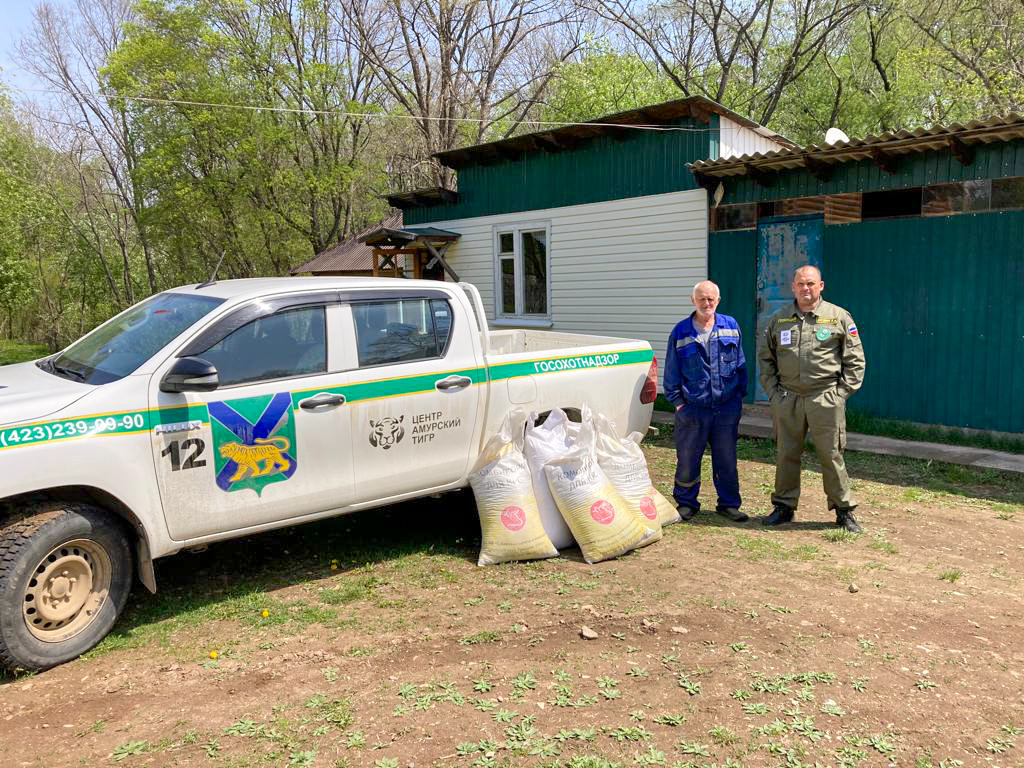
pixel 271 442
pixel 415 395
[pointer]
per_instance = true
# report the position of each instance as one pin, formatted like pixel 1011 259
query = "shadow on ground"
pixel 255 565
pixel 956 479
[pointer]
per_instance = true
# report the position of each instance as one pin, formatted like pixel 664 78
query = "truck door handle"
pixel 453 383
pixel 323 400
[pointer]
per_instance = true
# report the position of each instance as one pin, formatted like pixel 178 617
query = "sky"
pixel 15 21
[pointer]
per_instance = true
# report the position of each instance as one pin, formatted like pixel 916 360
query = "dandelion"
pixel 214 654
pixel 265 614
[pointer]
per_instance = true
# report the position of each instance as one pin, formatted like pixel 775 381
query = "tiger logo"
pixel 270 452
pixel 386 432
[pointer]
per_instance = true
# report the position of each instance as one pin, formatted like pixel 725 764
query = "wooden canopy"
pixel 425 247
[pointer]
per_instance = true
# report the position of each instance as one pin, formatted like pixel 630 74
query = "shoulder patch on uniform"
pixel 852 329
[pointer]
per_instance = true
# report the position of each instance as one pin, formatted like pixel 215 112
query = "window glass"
pixel 292 343
pixel 117 348
pixel 960 197
pixel 726 217
pixel 508 286
pixel 442 323
pixel 1008 193
pixel 400 330
pixel 521 279
pixel 535 271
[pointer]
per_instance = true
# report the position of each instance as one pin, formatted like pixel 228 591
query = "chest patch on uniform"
pixel 786 337
pixel 823 334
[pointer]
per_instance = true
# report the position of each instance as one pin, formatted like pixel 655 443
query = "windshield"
pixel 117 348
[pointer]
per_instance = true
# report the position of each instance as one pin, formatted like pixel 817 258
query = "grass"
pixel 757 548
pixel 20 351
pixel 866 424
pixel 952 575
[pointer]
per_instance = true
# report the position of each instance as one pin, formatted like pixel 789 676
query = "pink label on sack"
pixel 647 507
pixel 513 518
pixel 602 512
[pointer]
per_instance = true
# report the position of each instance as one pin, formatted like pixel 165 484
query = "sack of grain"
pixel 624 462
pixel 509 520
pixel 542 443
pixel 603 523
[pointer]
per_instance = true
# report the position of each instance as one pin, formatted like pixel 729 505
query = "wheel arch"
pixel 99 498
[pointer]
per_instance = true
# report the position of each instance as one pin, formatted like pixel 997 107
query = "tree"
pixel 464 69
pixel 68 51
pixel 602 82
pixel 744 55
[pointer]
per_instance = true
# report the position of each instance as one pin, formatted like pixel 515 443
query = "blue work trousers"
pixel 695 428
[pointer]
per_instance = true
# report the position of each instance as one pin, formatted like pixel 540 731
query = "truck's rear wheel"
pixel 65 574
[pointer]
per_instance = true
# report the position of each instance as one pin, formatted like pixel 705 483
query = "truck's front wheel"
pixel 65 574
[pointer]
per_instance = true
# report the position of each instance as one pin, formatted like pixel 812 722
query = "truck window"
pixel 401 330
pixel 291 343
pixel 118 347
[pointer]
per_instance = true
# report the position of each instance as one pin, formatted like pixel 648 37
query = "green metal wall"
pixel 598 169
pixel 938 305
pixel 991 161
pixel 732 263
pixel 938 301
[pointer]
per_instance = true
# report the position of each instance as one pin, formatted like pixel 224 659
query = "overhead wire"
pixel 379 115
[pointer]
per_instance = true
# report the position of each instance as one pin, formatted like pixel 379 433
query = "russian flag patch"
pixel 852 330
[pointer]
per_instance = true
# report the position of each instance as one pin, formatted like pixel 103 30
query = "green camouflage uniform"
pixel 810 363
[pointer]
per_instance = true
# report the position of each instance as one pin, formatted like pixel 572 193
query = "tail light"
pixel 649 391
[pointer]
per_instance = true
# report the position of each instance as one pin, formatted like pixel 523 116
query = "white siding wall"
pixel 737 140
pixel 621 268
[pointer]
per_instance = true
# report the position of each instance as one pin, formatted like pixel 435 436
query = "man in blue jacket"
pixel 706 380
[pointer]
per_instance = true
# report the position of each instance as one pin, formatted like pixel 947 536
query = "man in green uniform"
pixel 811 361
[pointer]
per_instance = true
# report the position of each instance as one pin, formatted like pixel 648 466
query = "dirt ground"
pixel 375 640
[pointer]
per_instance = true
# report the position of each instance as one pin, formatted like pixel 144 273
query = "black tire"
pixel 36 568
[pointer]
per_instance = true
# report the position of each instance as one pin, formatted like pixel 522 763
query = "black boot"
pixel 732 513
pixel 846 521
pixel 781 514
pixel 686 513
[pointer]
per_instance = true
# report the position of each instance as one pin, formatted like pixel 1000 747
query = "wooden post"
pixel 376 262
pixel 417 261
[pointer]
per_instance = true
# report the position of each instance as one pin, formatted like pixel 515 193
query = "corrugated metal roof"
pixel 564 137
pixel 956 137
pixel 351 255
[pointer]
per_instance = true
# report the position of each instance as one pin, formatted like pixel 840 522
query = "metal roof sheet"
pixel 351 255
pixel 956 137
pixel 556 138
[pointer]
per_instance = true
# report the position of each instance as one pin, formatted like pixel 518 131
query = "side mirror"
pixel 190 374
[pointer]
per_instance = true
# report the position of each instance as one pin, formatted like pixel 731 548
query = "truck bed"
pixel 518 341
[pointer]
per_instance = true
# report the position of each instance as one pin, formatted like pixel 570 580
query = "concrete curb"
pixel 753 424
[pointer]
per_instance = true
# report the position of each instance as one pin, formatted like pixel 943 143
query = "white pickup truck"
pixel 221 410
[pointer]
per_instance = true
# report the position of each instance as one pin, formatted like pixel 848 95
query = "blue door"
pixel 783 244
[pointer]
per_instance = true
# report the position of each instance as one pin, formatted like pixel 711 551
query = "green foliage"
pixel 602 82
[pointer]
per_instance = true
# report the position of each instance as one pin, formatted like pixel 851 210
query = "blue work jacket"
pixel 710 378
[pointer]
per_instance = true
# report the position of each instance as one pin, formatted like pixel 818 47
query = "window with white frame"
pixel 522 271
